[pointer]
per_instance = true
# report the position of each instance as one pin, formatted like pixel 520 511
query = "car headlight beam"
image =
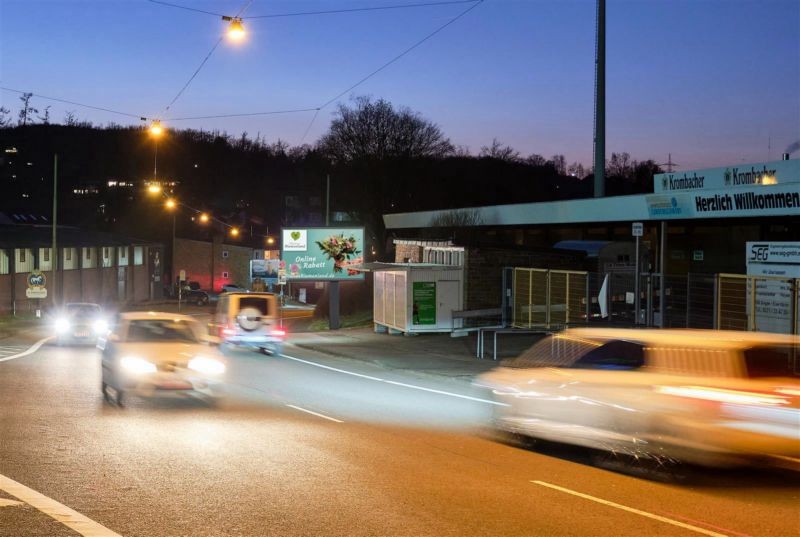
pixel 207 366
pixel 62 325
pixel 136 365
pixel 100 326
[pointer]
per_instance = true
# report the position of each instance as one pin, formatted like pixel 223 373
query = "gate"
pixel 545 298
pixel 761 303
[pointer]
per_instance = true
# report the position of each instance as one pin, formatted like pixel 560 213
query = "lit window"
pixel 22 255
pixel 46 255
pixel 68 254
pixel 225 275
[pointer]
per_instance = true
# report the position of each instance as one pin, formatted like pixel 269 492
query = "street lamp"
pixel 154 188
pixel 170 204
pixel 234 232
pixel 236 31
pixel 270 240
pixel 156 131
pixel 204 218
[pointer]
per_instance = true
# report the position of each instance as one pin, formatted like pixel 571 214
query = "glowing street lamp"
pixel 156 130
pixel 170 204
pixel 236 31
pixel 234 232
pixel 270 240
pixel 154 188
pixel 203 218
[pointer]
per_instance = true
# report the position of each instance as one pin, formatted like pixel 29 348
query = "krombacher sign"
pixel 763 173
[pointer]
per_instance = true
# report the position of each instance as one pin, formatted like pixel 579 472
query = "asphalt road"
pixel 299 449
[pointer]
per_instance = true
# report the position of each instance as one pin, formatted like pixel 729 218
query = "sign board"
pixel 266 269
pixel 282 277
pixel 773 302
pixel 776 172
pixel 424 303
pixel 36 285
pixel 637 229
pixel 697 255
pixel 182 275
pixel 322 253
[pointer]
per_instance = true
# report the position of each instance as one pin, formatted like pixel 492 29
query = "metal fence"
pixel 542 298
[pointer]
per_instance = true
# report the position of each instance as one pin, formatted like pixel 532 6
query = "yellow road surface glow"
pixel 631 510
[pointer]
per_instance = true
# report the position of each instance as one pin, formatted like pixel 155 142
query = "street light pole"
pixel 53 255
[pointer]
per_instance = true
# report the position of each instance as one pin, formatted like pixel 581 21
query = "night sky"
pixel 713 82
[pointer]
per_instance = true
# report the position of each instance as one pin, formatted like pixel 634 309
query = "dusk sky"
pixel 711 82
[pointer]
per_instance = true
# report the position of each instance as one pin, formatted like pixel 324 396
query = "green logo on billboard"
pixel 295 235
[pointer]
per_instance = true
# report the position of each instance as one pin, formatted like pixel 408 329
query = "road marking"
pixel 9 503
pixel 33 348
pixel 314 413
pixel 632 510
pixel 395 383
pixel 61 513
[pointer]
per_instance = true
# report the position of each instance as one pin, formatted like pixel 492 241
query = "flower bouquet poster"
pixel 322 253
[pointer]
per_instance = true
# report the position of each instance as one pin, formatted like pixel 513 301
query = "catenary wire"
pixel 138 116
pixel 321 12
pixel 244 114
pixel 303 139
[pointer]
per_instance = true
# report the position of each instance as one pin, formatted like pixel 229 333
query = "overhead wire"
pixel 75 103
pixel 303 139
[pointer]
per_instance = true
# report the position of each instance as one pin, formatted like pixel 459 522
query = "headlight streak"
pixel 62 325
pixel 207 366
pixel 137 365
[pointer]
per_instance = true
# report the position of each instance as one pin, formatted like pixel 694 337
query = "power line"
pixel 138 116
pixel 409 49
pixel 303 139
pixel 353 10
pixel 244 114
pixel 196 72
pixel 323 12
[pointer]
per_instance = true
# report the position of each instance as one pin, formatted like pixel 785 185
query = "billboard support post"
pixel 333 305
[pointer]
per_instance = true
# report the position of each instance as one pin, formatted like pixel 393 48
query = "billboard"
pixel 322 253
pixel 761 173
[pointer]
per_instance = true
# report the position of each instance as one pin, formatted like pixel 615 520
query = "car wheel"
pixel 104 389
pixel 120 397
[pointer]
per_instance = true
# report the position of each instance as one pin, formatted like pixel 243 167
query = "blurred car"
pixel 701 396
pixel 153 354
pixel 234 288
pixel 249 320
pixel 191 292
pixel 80 322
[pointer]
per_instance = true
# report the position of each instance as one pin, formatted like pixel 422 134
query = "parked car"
pixel 80 322
pixel 191 292
pixel 152 354
pixel 234 288
pixel 702 396
pixel 249 320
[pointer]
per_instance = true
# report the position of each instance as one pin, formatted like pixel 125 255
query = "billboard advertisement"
pixel 322 253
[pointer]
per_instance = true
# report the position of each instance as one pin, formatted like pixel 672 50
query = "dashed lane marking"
pixel 33 348
pixel 60 512
pixel 314 413
pixel 639 512
pixel 395 383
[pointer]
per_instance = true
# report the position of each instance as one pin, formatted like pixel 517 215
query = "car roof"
pixel 144 315
pixel 685 337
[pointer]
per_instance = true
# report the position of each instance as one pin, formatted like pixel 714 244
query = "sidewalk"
pixel 432 354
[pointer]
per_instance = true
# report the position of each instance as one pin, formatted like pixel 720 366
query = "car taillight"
pixel 278 332
pixel 723 396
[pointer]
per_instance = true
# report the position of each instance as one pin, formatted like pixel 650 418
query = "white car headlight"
pixel 100 326
pixel 134 364
pixel 62 325
pixel 207 366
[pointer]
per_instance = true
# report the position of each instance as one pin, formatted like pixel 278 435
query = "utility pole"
pixel 600 104
pixel 333 286
pixel 54 255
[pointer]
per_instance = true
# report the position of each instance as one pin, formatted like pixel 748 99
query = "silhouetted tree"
pixel 500 152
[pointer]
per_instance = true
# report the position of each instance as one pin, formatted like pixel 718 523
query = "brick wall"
pixel 195 257
pixel 404 253
pixel 483 271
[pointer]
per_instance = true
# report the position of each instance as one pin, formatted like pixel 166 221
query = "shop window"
pixel 224 254
pixel 225 275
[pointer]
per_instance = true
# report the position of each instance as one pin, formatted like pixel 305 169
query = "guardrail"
pixel 479 352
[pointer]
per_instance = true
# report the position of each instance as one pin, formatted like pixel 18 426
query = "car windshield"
pixel 773 361
pixel 82 311
pixel 152 330
pixel 561 350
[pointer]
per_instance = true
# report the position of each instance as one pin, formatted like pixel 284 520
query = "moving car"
pixel 701 396
pixel 233 288
pixel 249 320
pixel 80 322
pixel 153 354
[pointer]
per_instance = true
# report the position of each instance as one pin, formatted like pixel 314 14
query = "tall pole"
pixel 54 255
pixel 155 159
pixel 600 103
pixel 328 199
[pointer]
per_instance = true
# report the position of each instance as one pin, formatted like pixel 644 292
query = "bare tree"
pixel 45 118
pixel 559 163
pixel 69 118
pixel 620 165
pixel 536 160
pixel 376 130
pixel 499 151
pixel 5 121
pixel 27 111
pixel 576 169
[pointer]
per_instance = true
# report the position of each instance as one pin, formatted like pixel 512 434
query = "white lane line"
pixel 395 383
pixel 314 413
pixel 632 510
pixel 61 513
pixel 331 368
pixel 33 348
